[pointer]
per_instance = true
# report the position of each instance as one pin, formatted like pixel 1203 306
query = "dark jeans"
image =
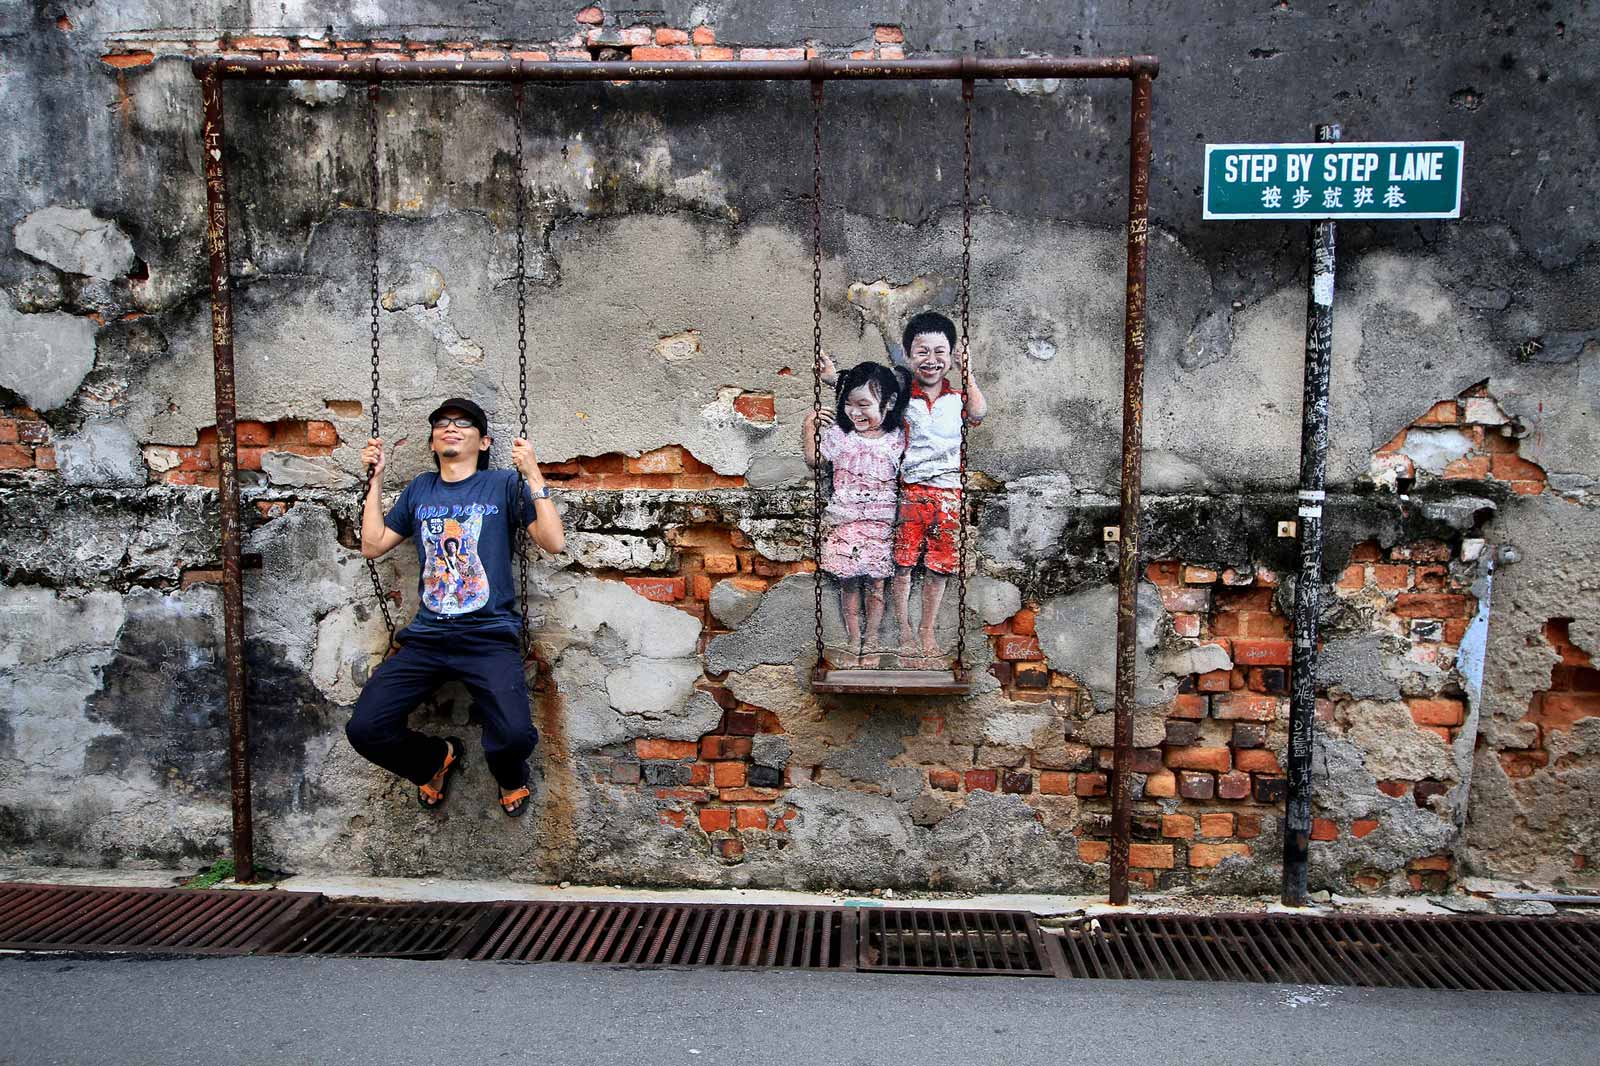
pixel 489 665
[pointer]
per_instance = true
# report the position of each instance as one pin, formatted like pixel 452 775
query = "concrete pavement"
pixel 234 1012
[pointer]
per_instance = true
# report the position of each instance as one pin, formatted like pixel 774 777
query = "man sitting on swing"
pixel 462 518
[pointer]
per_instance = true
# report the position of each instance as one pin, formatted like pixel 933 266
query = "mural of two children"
pixel 893 441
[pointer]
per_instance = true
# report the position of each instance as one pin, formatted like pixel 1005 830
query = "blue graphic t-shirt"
pixel 465 540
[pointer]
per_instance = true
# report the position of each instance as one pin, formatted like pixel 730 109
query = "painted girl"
pixel 864 439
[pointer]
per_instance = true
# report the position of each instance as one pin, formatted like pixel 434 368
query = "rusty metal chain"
pixel 522 369
pixel 372 240
pixel 816 353
pixel 959 666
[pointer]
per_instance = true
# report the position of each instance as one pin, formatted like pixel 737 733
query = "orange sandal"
pixel 430 797
pixel 515 803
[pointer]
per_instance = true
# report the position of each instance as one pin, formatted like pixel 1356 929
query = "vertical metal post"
pixel 1132 455
pixel 228 469
pixel 1308 588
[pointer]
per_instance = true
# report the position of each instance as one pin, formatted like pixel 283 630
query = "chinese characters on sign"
pixel 1336 180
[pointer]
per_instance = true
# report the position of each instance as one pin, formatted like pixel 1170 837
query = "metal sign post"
pixel 1322 182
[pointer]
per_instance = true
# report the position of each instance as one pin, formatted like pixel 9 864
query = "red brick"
pixel 200 577
pixel 590 16
pixel 15 457
pixel 1437 712
pixel 1187 600
pixel 699 587
pixel 1196 786
pixel 1199 575
pixel 730 848
pixel 531 56
pixel 704 35
pixel 1324 829
pixel 1151 856
pixel 1262 652
pixel 1432 605
pixel 756 406
pixel 8 431
pixel 124 60
pixel 1391 577
pixel 1022 623
pixel 1190 706
pixel 1354 577
pixel 1216 825
pixel 888 34
pixel 1015 648
pixel 1090 785
pixel 712 54
pixel 1055 783
pixel 1563 710
pixel 1256 761
pixel 1263 624
pixel 750 818
pixel 1394 788
pixel 749 795
pixel 667 460
pixel 1177 826
pixel 1366 552
pixel 1244 706
pixel 947 780
pixel 44 457
pixel 1233 785
pixel 715 819
pixel 1163 572
pixel 728 774
pixel 660 589
pixel 323 434
pixel 1470 467
pixel 1507 467
pixel 1214 681
pixel 980 780
pixel 1216 760
pixel 1016 782
pixel 1443 413
pixel 1093 851
pixel 1207 855
pixel 1030 675
pixel 676 819
pixel 665 35
pixel 721 563
pixel 1161 784
pixel 1362 826
pixel 1430 862
pixel 666 749
pixel 1186 625
pixel 741 723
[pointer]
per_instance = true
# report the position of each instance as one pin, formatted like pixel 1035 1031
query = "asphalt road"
pixel 227 1012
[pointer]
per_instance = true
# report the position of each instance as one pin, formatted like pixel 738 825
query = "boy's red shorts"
pixel 929 517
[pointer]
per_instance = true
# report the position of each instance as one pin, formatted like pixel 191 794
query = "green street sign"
pixel 1376 179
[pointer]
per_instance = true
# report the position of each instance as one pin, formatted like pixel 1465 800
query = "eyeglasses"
pixel 459 423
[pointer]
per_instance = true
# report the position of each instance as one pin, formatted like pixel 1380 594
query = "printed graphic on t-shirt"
pixel 453 577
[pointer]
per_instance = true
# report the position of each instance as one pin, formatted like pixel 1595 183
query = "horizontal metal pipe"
pixel 747 70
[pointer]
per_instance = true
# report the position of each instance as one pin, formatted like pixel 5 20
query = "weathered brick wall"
pixel 670 311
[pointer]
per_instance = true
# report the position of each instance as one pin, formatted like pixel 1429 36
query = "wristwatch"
pixel 542 493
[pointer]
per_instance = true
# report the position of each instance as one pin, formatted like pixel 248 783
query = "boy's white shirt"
pixel 933 451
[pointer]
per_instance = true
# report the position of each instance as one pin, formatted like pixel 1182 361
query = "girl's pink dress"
pixel 859 520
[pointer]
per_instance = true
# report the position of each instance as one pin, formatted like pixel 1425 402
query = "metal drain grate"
pixel 663 934
pixel 1458 952
pixel 71 918
pixel 906 940
pixel 386 930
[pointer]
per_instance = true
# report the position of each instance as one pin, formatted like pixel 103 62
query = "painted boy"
pixel 929 527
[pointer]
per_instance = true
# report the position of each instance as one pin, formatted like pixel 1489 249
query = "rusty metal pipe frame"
pixel 228 472
pixel 1140 70
pixel 1133 338
pixel 752 70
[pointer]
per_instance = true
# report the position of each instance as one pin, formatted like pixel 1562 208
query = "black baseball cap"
pixel 466 407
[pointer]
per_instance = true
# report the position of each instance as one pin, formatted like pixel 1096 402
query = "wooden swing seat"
pixel 890 683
